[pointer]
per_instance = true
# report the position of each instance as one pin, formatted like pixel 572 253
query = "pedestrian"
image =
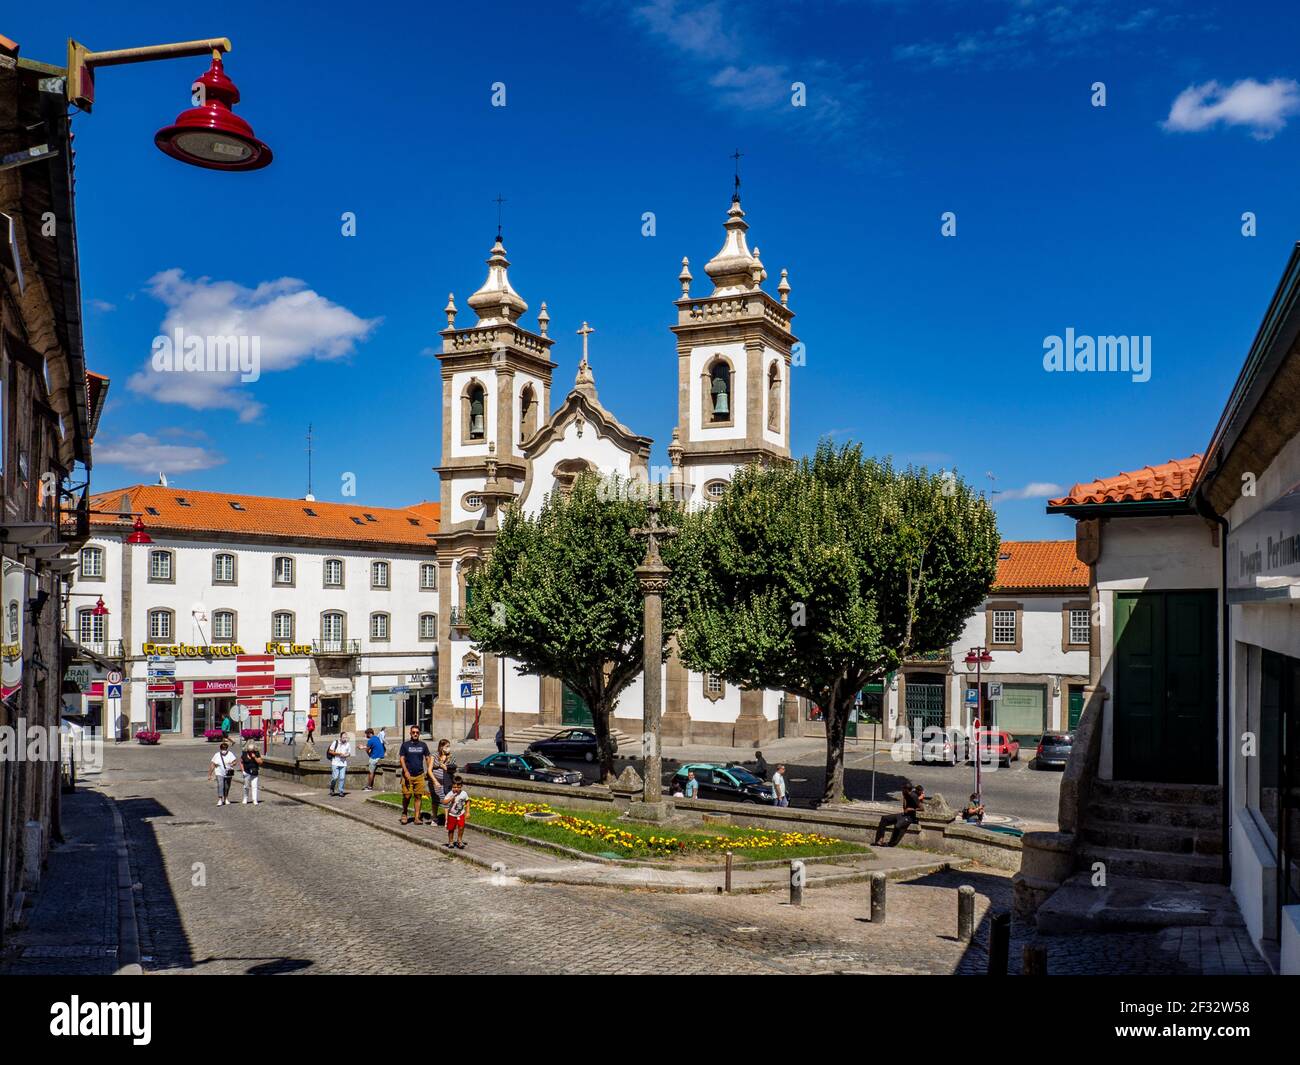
pixel 413 758
pixel 375 750
pixel 311 731
pixel 778 785
pixel 441 772
pixel 457 811
pixel 221 768
pixel 339 753
pixel 973 812
pixel 760 766
pixel 899 822
pixel 692 785
pixel 251 762
pixel 501 739
pixel 225 727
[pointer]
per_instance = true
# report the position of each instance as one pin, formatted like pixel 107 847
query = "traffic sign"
pixel 114 691
pixel 995 689
pixel 466 689
pixel 972 696
pixel 114 676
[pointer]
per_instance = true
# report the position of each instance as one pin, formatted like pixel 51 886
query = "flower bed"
pixel 145 736
pixel 600 833
pixel 251 733
pixel 212 735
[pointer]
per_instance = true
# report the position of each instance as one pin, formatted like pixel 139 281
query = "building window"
pixel 160 625
pixel 428 626
pixel 283 570
pixel 160 567
pixel 1080 626
pixel 774 399
pixel 473 502
pixel 717 393
pixel 223 625
pixel 379 626
pixel 713 491
pixel 332 628
pixel 92 563
pixel 474 425
pixel 282 625
pixel 333 573
pixel 1004 627
pixel 428 577
pixel 90 629
pixel 714 687
pixel 223 569
pixel 379 575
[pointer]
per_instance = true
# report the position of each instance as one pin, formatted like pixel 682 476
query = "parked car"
pixel 1053 750
pixel 730 783
pixel 997 745
pixel 525 767
pixel 934 746
pixel 575 743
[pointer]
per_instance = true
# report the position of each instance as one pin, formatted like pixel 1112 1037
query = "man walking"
pixel 778 785
pixel 339 753
pixel 415 760
pixel 375 750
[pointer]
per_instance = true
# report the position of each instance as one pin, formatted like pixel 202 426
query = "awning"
pixel 335 686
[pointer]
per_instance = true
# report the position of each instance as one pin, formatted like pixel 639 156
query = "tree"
pixel 819 577
pixel 559 594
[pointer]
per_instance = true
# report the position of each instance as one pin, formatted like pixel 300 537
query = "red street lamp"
pixel 99 609
pixel 976 659
pixel 211 135
pixel 138 535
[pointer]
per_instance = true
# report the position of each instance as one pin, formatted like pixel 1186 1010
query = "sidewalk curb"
pixel 536 877
pixel 128 929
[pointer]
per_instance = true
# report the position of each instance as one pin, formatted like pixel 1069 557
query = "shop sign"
pixel 193 650
pixel 287 650
pixel 78 675
pixel 1264 552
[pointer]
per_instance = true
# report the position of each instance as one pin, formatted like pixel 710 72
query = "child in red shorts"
pixel 457 806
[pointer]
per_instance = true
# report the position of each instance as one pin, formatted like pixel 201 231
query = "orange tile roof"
pixel 1030 564
pixel 1169 480
pixel 263 517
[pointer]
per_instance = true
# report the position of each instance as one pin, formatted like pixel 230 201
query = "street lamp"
pixel 976 659
pixel 208 135
pixel 138 535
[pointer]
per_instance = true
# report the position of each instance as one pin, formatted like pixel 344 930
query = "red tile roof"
pixel 1169 480
pixel 262 517
pixel 1036 564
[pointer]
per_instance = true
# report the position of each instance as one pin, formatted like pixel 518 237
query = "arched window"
pixel 160 624
pixel 91 629
pixel 333 573
pixel 332 630
pixel 428 577
pixel 160 567
pixel 282 625
pixel 223 626
pixel 379 626
pixel 379 575
pixel 774 399
pixel 527 413
pixel 474 426
pixel 718 405
pixel 223 568
pixel 428 626
pixel 92 563
pixel 282 570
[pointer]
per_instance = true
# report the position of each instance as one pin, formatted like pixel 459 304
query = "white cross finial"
pixel 585 332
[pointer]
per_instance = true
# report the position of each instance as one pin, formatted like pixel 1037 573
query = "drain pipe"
pixel 1225 686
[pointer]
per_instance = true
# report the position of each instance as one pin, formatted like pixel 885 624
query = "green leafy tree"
pixel 819 577
pixel 559 594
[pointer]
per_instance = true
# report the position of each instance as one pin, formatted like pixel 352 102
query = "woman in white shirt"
pixel 222 768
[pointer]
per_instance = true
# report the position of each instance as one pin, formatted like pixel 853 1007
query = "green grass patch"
pixel 601 832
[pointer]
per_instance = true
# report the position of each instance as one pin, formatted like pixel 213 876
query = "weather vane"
pixel 735 196
pixel 499 201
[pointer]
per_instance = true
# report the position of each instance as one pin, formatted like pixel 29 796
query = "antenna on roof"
pixel 162 479
pixel 309 497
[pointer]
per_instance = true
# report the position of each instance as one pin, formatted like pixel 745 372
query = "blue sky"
pixel 1123 219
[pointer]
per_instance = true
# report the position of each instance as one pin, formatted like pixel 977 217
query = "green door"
pixel 923 701
pixel 1076 708
pixel 573 708
pixel 1166 670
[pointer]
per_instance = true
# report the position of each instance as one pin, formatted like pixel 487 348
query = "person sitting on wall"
pixel 973 812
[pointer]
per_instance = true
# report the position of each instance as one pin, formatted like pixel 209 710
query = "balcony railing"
pixel 103 648
pixel 328 648
pixel 459 618
pixel 74 522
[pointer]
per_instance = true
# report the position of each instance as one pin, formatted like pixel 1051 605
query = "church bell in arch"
pixel 721 409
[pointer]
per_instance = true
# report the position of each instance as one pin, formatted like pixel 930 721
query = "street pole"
pixel 652 577
pixel 502 697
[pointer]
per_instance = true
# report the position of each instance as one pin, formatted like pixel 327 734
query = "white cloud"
pixel 1263 107
pixel 1033 490
pixel 148 454
pixel 291 322
pixel 102 306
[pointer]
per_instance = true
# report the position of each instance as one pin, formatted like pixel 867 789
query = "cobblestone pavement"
pixel 288 888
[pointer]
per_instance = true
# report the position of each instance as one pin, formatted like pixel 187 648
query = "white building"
pixel 503 444
pixel 343 596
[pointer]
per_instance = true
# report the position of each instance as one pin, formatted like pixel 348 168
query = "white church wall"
pixel 601 452
pixel 460 487
pixel 700 358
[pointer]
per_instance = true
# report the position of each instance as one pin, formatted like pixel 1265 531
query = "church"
pixel 504 445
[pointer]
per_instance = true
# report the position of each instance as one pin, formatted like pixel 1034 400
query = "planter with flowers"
pixel 212 735
pixel 148 737
pixel 251 733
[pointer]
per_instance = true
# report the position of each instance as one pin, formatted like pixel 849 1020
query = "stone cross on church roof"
pixel 586 380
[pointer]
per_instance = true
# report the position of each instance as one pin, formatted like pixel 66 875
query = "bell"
pixel 476 425
pixel 720 407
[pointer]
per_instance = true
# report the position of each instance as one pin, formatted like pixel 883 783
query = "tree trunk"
pixel 837 720
pixel 600 714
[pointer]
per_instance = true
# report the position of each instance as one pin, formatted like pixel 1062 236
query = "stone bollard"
pixel 797 876
pixel 728 872
pixel 965 913
pixel 1033 961
pixel 999 943
pixel 878 882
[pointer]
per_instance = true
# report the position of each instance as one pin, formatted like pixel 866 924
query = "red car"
pixel 998 745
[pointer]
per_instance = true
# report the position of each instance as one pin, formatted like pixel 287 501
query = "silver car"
pixel 1054 750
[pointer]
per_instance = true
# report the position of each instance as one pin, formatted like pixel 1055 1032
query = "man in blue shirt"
pixel 692 785
pixel 414 760
pixel 375 750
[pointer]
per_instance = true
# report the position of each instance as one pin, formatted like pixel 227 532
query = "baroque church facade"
pixel 503 445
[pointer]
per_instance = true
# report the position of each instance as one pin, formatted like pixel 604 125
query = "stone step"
pixel 1134 905
pixel 1126 835
pixel 1195 815
pixel 1131 791
pixel 1153 865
